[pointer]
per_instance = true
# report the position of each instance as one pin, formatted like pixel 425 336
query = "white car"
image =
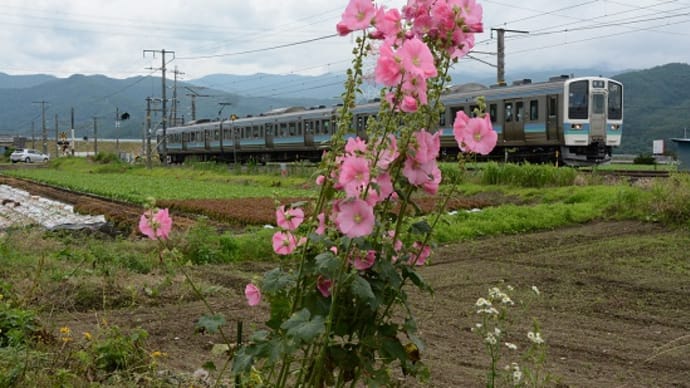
pixel 28 155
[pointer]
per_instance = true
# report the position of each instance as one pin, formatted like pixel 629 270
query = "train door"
pixel 513 120
pixel 308 126
pixel 268 129
pixel 597 118
pixel 552 117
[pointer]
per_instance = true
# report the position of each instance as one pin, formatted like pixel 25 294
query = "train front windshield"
pixel 615 101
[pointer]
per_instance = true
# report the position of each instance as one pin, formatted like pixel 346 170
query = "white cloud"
pixel 79 36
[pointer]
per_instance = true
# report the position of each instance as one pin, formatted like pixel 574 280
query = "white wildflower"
pixel 517 374
pixel 490 311
pixel 536 290
pixel 506 300
pixel 535 337
pixel 510 346
pixel 510 288
pixel 497 331
pixel 481 302
pixel 490 339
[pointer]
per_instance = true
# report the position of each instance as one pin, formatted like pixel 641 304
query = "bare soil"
pixel 611 317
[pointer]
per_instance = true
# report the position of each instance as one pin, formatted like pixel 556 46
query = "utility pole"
pixel 194 94
pixel 165 112
pixel 148 132
pixel 95 135
pixel 173 113
pixel 57 146
pixel 500 69
pixel 43 120
pixel 71 128
pixel 33 134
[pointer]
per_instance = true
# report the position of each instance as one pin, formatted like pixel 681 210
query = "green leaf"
pixel 416 279
pixel 209 323
pixel 327 264
pixel 302 328
pixel 209 366
pixel 276 280
pixel 362 290
pixel 421 227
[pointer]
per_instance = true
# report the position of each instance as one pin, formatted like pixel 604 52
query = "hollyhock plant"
pixel 339 309
pixel 474 134
pixel 156 226
pixel 253 294
pixel 289 219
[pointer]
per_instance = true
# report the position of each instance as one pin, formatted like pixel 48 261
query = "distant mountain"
pixel 23 81
pixel 657 100
pixel 657 106
pixel 101 97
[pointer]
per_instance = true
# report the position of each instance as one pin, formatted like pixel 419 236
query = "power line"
pixel 260 49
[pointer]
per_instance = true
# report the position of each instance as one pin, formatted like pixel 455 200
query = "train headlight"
pixel 575 126
pixel 615 127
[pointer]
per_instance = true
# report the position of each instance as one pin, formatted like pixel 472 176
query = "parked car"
pixel 28 155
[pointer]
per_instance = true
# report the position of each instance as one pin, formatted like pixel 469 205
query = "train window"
pixel 454 111
pixel 615 101
pixel 269 129
pixel 598 84
pixel 216 134
pixel 508 108
pixel 578 96
pixel 307 127
pixel 292 129
pixel 473 110
pixel 553 103
pixel 598 104
pixel 519 111
pixel 442 119
pixel 192 136
pixel 534 110
pixel 493 112
pixel 326 127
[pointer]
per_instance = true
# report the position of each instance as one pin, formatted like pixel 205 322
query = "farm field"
pixel 614 303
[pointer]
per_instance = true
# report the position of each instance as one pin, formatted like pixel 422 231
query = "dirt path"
pixel 613 294
pixel 602 314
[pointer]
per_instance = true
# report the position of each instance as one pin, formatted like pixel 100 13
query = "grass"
pixel 88 271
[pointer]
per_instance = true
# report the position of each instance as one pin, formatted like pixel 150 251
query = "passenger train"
pixel 577 121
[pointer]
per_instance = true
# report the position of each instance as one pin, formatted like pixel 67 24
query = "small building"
pixel 683 153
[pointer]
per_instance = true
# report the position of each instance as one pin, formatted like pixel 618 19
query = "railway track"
pixel 634 173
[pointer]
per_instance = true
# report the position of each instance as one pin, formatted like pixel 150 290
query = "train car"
pixel 577 121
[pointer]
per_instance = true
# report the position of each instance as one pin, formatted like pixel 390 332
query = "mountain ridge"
pixel 650 94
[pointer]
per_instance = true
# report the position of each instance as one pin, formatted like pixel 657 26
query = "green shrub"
pixel 18 326
pixel 644 159
pixel 527 175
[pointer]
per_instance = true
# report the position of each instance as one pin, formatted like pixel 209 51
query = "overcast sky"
pixel 64 37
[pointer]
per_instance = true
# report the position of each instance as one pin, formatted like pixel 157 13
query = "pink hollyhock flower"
pixel 385 186
pixel 357 16
pixel 388 69
pixel 428 146
pixel 415 85
pixel 355 145
pixel 418 173
pixel 342 29
pixel 355 218
pixel 324 286
pixel 409 104
pixel 420 254
pixel 472 14
pixel 289 219
pixel 417 58
pixel 388 154
pixel 431 186
pixel 321 229
pixel 253 294
pixel 366 262
pixel 354 175
pixel 157 226
pixel 320 180
pixel 387 23
pixel 284 243
pixel 474 134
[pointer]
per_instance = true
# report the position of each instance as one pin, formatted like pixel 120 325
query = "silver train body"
pixel 578 121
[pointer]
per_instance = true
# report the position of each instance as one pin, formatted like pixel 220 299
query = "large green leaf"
pixel 210 323
pixel 327 264
pixel 362 290
pixel 276 280
pixel 301 326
